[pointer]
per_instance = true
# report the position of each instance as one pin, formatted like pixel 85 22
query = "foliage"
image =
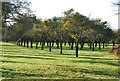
pixel 13 12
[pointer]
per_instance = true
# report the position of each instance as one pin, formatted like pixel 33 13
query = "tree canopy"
pixel 73 27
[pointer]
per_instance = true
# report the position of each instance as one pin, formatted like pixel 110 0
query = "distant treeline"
pixel 73 27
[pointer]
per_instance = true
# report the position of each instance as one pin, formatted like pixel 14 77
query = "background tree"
pixel 11 12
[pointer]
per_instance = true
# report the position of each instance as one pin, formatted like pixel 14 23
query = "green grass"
pixel 22 62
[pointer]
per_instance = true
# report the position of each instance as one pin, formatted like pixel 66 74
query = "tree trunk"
pixel 40 42
pixel 90 45
pixel 113 43
pixel 52 43
pixel 93 47
pixel 69 43
pixel 37 45
pixel 65 43
pixel 57 44
pixel 77 49
pixel 60 47
pixel 82 44
pixel 17 43
pixel 21 43
pixel 72 45
pixel 99 46
pixel 42 45
pixel 95 43
pixel 27 43
pixel 47 43
pixel 31 42
pixel 24 43
pixel 103 44
pixel 50 46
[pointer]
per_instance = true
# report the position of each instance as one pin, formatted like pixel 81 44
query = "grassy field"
pixel 22 62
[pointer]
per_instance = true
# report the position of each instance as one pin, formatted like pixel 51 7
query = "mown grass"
pixel 22 62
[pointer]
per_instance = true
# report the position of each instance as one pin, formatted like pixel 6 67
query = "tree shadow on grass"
pixel 100 61
pixel 55 55
pixel 6 44
pixel 12 51
pixel 13 74
pixel 32 57
pixel 95 57
pixel 5 61
pixel 68 66
pixel 64 48
pixel 88 71
pixel 10 73
pixel 68 54
pixel 92 55
pixel 95 50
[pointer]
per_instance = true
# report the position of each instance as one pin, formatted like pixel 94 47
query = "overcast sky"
pixel 103 9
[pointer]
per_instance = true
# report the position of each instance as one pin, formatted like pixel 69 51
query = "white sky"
pixel 103 9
